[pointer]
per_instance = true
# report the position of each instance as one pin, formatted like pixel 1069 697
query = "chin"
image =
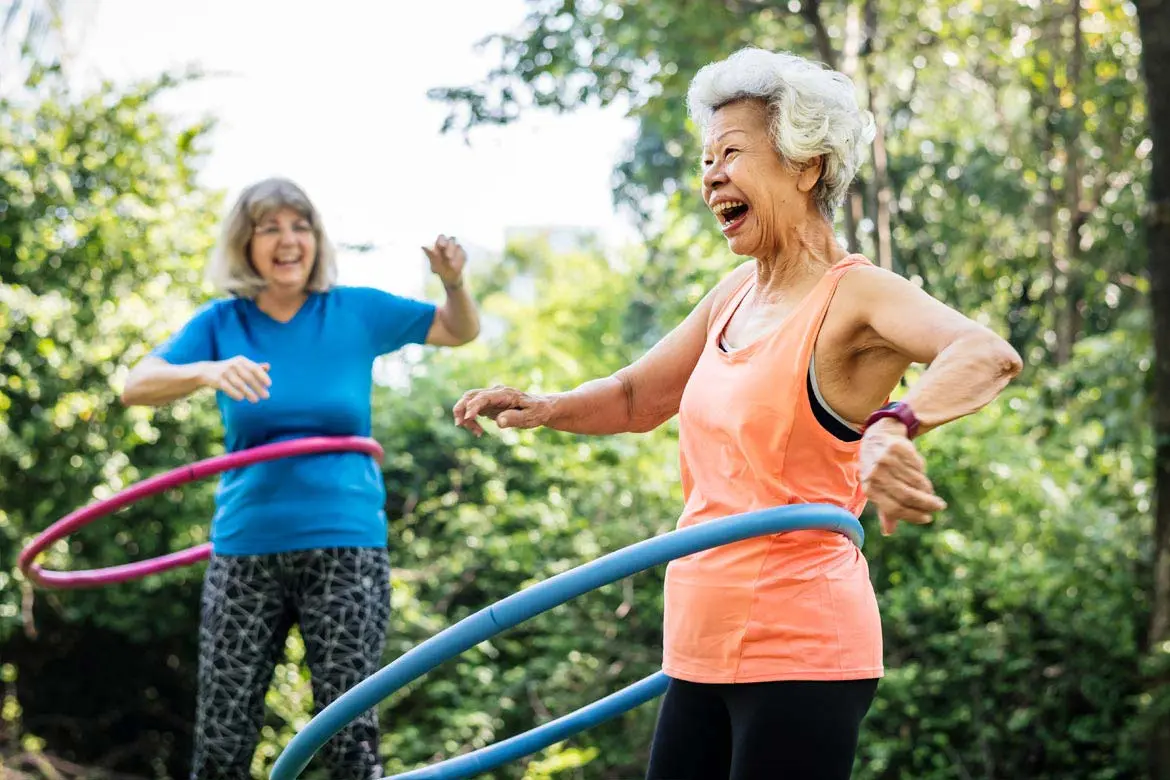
pixel 739 246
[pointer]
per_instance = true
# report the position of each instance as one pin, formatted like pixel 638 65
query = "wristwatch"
pixel 899 411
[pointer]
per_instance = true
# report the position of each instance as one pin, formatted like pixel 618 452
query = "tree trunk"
pixel 811 11
pixel 1069 318
pixel 882 195
pixel 1154 23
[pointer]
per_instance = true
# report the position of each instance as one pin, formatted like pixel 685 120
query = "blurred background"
pixel 1026 630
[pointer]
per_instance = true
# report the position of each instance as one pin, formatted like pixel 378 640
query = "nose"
pixel 713 177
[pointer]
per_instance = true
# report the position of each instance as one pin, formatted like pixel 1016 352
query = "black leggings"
pixel 799 730
pixel 340 597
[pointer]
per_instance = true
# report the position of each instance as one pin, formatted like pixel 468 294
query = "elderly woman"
pixel 290 354
pixel 780 377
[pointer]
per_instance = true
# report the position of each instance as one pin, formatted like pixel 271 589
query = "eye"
pixel 303 227
pixel 268 230
pixel 729 151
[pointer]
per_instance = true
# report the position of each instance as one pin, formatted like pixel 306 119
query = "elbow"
pixel 636 416
pixel 471 335
pixel 1005 360
pixel 130 396
pixel 997 358
pixel 644 426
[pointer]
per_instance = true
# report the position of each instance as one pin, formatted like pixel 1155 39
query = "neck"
pixel 280 304
pixel 805 252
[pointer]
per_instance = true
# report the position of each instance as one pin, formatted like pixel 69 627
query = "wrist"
pixel 203 372
pixel 555 408
pixel 453 285
pixel 895 417
pixel 889 425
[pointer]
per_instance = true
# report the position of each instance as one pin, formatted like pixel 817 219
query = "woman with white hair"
pixel 781 378
pixel 301 540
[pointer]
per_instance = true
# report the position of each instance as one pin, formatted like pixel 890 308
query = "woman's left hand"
pixel 894 476
pixel 447 260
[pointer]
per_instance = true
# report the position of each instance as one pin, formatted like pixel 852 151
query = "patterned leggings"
pixel 340 597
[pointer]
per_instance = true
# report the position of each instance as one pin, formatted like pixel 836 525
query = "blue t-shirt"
pixel 321 367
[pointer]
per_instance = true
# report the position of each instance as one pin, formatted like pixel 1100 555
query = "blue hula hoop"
pixel 528 603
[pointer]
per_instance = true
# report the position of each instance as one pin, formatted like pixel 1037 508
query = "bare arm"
pixel 155 382
pixel 457 320
pixel 969 365
pixel 638 398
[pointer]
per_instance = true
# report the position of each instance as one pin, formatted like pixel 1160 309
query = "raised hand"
pixel 447 260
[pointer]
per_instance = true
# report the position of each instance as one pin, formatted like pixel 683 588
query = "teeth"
pixel 719 208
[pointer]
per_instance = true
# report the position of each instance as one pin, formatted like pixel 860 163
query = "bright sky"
pixel 333 95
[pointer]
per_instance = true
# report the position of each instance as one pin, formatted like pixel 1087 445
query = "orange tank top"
pixel 794 606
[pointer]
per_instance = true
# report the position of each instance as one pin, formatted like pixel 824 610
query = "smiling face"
pixel 758 199
pixel 283 250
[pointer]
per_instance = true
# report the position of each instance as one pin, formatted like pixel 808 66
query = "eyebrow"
pixel 274 221
pixel 721 136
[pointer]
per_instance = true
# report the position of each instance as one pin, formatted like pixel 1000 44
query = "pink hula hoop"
pixel 157 484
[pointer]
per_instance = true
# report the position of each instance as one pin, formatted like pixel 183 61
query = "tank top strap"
pixel 730 306
pixel 813 313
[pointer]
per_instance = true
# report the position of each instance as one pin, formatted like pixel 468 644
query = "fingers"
pixel 235 387
pixel 242 379
pixel 897 484
pixel 446 254
pixel 519 418
pixel 494 403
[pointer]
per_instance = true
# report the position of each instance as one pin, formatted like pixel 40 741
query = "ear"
pixel 810 174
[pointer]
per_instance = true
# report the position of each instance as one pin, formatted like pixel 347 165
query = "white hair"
pixel 812 112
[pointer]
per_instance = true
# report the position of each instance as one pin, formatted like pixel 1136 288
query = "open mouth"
pixel 731 214
pixel 281 262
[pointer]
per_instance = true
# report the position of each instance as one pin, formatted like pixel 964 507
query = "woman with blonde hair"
pixel 781 378
pixel 302 540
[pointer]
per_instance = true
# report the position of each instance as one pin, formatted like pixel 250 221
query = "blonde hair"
pixel 813 112
pixel 231 269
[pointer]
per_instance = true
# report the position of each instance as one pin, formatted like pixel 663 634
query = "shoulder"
pixel 723 291
pixel 214 311
pixel 371 296
pixel 863 283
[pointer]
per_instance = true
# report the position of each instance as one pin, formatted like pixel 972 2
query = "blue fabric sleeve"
pixel 192 343
pixel 396 321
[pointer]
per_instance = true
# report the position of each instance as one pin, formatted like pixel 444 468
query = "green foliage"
pixel 1014 627
pixel 988 124
pixel 102 233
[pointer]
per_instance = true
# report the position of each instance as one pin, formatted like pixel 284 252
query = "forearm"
pixel 157 383
pixel 598 407
pixel 966 376
pixel 459 313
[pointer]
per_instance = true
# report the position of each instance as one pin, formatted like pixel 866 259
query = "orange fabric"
pixel 796 606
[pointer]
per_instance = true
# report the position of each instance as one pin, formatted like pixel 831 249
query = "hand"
pixel 510 408
pixel 239 377
pixel 894 477
pixel 447 260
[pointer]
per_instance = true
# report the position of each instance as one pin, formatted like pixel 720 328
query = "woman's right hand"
pixel 239 377
pixel 510 408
